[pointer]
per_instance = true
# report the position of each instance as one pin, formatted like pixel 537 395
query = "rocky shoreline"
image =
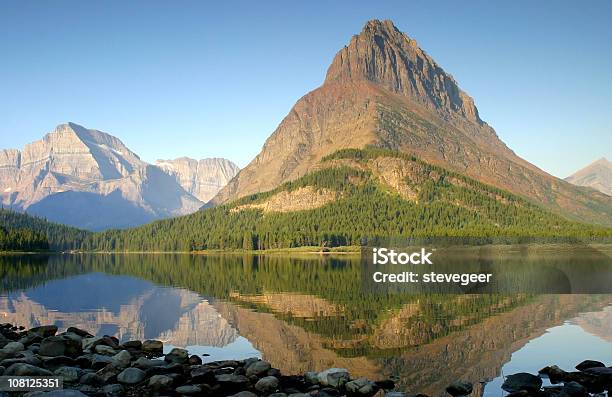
pixel 102 366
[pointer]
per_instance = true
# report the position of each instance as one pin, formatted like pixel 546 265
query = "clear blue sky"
pixel 202 79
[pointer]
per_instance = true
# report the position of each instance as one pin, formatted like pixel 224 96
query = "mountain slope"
pixel 90 179
pixel 597 175
pixel 351 195
pixel 201 178
pixel 382 90
pixel 59 237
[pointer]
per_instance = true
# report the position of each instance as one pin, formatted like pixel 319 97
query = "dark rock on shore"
pixel 459 388
pixel 102 366
pixel 522 381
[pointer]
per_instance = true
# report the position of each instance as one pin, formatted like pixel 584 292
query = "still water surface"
pixel 307 313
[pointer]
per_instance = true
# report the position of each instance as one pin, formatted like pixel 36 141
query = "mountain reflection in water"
pixel 299 313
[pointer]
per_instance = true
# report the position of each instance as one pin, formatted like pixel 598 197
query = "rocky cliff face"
pixel 201 178
pixel 597 175
pixel 383 90
pixel 89 179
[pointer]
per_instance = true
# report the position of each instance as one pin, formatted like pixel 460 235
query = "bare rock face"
pixel 204 178
pixel 89 179
pixel 383 90
pixel 597 175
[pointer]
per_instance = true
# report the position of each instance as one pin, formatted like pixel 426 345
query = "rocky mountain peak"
pixel 383 55
pixel 201 178
pixel 597 175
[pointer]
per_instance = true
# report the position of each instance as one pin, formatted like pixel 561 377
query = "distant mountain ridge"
pixel 201 178
pixel 383 91
pixel 89 179
pixel 597 175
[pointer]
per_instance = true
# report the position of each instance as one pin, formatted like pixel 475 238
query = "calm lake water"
pixel 308 313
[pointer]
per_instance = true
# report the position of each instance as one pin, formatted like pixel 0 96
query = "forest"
pixel 365 210
pixel 26 232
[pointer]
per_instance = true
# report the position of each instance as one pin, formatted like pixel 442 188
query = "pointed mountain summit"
pixel 383 91
pixel 383 55
pixel 597 175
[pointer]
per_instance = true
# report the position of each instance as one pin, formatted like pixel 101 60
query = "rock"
pixel 64 393
pixel 554 373
pixel 275 394
pixel 108 374
pixel 188 390
pixel 131 376
pixel 459 388
pixel 334 377
pixel 145 363
pixel 91 378
pixel 231 381
pixel 202 375
pixel 520 393
pixel 53 363
pixel 195 360
pixel 30 338
pixel 103 349
pixel 599 371
pixel 250 394
pixel 90 343
pixel 177 355
pixel 160 382
pixel 574 389
pixel 360 386
pixel 112 390
pixel 258 368
pixel 522 381
pixel 299 395
pixel 385 384
pixel 69 374
pixel 586 364
pixel 79 332
pixel 2 370
pixel 99 361
pixel 395 394
pixel 25 359
pixel 21 369
pixel 61 345
pixel 274 372
pixel 152 346
pixel 44 330
pixel 121 359
pixel 311 377
pixel 132 344
pixel 267 384
pixel 13 347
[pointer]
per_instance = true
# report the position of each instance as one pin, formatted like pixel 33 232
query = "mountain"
pixel 201 178
pixel 353 194
pixel 597 175
pixel 89 179
pixel 382 90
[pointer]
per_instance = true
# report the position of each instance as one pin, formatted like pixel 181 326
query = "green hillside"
pixel 445 204
pixel 27 232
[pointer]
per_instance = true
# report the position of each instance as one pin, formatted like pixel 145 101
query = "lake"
pixel 308 313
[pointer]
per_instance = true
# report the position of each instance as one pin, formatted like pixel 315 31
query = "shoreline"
pixel 341 250
pixel 103 366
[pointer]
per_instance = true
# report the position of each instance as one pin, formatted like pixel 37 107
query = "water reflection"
pixel 300 313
